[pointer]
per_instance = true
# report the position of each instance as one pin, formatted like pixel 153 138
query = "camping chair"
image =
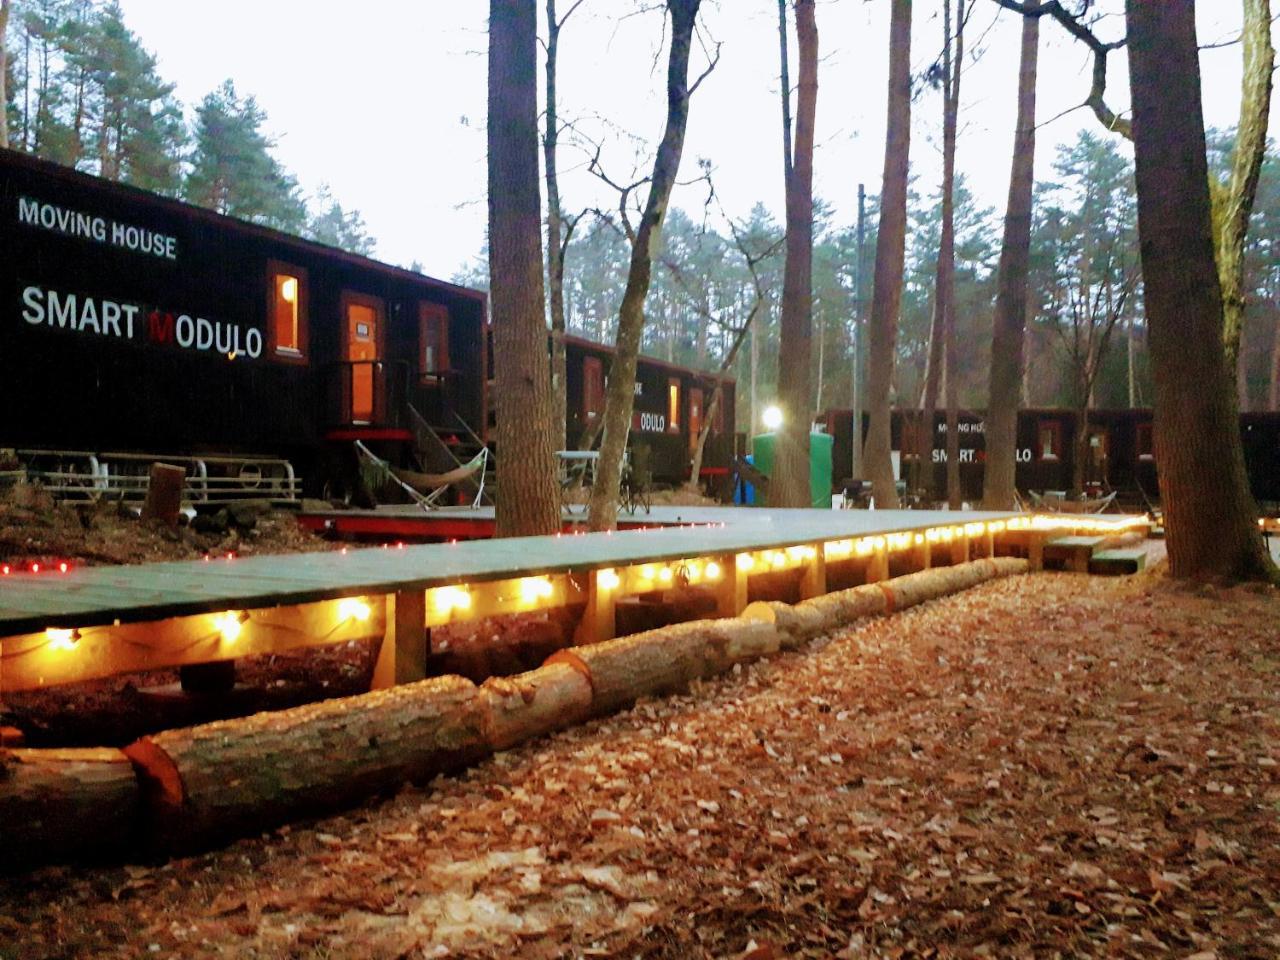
pixel 425 489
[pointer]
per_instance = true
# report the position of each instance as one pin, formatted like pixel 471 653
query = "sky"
pixel 385 100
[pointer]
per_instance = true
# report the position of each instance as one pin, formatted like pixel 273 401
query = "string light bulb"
pixel 231 624
pixel 353 608
pixel 60 639
pixel 608 579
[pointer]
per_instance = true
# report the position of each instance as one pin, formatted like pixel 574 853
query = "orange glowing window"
pixel 288 311
pixel 673 405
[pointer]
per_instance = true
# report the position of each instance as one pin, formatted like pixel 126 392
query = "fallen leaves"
pixel 1045 766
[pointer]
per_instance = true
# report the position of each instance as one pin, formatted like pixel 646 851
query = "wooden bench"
pixel 1116 562
pixel 1074 551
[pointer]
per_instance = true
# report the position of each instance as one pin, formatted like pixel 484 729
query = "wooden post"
pixel 731 591
pixel 960 549
pixel 402 657
pixel 921 558
pixel 1035 549
pixel 813 575
pixel 878 564
pixel 164 494
pixel 599 619
pixel 988 542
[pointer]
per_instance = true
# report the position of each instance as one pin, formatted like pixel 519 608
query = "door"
pixel 362 353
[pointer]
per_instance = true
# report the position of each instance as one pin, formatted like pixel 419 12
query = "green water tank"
pixel 762 449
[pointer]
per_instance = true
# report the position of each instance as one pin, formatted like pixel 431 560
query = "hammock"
pixel 425 489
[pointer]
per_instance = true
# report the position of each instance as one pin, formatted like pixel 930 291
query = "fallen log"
pixel 811 618
pixel 65 805
pixel 531 704
pixel 665 660
pixel 802 621
pixel 223 779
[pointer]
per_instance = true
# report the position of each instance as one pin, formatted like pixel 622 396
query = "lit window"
pixel 1050 442
pixel 673 405
pixel 288 306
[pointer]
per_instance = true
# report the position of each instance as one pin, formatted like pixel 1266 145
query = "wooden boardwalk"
pixel 90 596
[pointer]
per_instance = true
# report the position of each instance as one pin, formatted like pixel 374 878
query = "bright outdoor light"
pixel 772 418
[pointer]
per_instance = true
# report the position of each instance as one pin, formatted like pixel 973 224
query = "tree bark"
pixel 1011 293
pixel 947 255
pixel 4 65
pixel 890 251
pixel 663 661
pixel 223 779
pixel 61 805
pixel 1275 368
pixel 616 421
pixel 1235 201
pixel 529 503
pixel 789 485
pixel 1210 516
pixel 556 241
pixel 531 704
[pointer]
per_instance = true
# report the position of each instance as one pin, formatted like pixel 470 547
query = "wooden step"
pixel 1118 562
pixel 1075 551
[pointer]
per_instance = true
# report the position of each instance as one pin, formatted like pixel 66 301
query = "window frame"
pixel 302 353
pixel 437 315
pixel 1054 427
pixel 1145 431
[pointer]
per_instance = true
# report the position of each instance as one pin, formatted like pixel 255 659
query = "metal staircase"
pixel 436 454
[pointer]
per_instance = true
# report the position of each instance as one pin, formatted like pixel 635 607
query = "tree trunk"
pixel 529 503
pixel 998 487
pixel 789 485
pixel 1275 368
pixel 1132 360
pixel 555 241
pixel 4 66
pixel 603 510
pixel 224 779
pixel 663 661
pixel 1080 448
pixel 890 250
pixel 1210 515
pixel 1236 202
pixel 65 805
pixel 947 254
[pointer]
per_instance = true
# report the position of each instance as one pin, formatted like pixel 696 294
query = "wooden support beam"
pixel 921 553
pixel 813 575
pixel 1035 549
pixel 731 591
pixel 599 619
pixel 403 655
pixel 878 564
pixel 960 548
pixel 36 660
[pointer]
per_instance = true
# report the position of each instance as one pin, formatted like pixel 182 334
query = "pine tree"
pixel 232 169
pixel 329 223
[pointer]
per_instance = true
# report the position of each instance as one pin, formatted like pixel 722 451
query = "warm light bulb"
pixel 289 290
pixel 533 589
pixel 713 570
pixel 608 579
pixel 62 639
pixel 746 561
pixel 353 608
pixel 665 574
pixel 772 418
pixel 230 625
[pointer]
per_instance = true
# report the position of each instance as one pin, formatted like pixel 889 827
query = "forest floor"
pixel 1044 766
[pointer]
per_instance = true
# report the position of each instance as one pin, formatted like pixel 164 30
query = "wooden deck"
pixel 91 596
pixel 100 621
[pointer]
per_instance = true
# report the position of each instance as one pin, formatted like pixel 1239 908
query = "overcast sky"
pixel 384 100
